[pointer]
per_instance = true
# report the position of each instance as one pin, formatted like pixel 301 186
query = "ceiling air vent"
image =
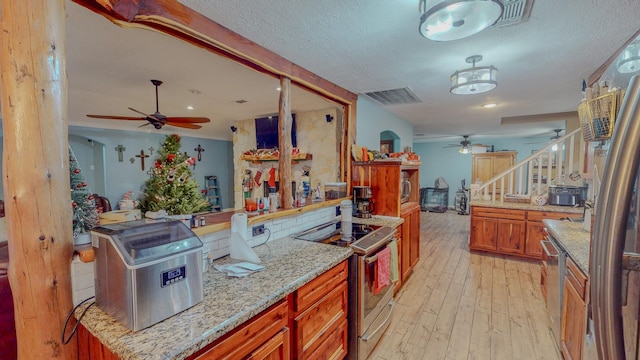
pixel 394 96
pixel 515 12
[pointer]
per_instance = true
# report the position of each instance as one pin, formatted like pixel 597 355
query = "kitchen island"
pixel 228 302
pixel 573 239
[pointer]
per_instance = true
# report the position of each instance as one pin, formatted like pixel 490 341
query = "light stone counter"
pixel 228 302
pixel 528 206
pixel 573 238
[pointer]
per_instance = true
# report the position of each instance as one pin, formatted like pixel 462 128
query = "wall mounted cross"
pixel 142 155
pixel 200 150
pixel 120 149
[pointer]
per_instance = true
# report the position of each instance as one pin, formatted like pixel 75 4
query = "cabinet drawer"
pixel 334 346
pixel 246 339
pixel 576 278
pixel 313 326
pixel 541 215
pixel 496 213
pixel 319 287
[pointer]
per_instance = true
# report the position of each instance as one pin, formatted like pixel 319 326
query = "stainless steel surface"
pixel 373 241
pixel 371 336
pixel 554 286
pixel 146 292
pixel 612 211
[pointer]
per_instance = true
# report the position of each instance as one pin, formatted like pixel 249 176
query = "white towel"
pixel 239 249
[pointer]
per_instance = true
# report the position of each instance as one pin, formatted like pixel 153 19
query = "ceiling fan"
pixel 465 145
pixel 158 120
pixel 555 137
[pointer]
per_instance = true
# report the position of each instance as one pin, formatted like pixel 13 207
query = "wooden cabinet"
pixel 574 312
pixel 411 239
pixel 265 334
pixel 398 284
pixel 509 231
pixel 497 230
pixel 320 317
pixel 485 166
pixel 310 323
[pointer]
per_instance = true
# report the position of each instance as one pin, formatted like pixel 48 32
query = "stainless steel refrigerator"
pixel 615 247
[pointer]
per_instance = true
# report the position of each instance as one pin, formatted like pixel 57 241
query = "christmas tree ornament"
pixel 85 211
pixel 172 175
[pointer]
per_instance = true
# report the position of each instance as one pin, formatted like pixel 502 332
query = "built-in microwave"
pixel 405 187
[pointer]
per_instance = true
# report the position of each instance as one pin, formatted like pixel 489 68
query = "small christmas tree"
pixel 170 187
pixel 85 211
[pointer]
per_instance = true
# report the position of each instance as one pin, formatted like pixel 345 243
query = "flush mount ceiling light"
pixel 474 80
pixel 446 20
pixel 629 60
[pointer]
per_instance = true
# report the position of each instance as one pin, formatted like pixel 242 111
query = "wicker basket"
pixel 598 115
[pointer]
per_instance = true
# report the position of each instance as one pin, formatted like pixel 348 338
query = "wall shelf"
pixel 259 159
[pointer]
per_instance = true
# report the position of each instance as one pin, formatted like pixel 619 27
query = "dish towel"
pixel 382 270
pixel 394 272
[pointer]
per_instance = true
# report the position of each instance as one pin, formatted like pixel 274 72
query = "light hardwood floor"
pixel 462 305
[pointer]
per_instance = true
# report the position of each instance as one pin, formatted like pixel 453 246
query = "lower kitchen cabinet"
pixel 310 323
pixel 574 312
pixel 320 317
pixel 509 231
pixel 398 284
pixel 410 239
pixel 263 337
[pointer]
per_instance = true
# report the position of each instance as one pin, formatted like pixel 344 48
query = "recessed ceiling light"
pixel 278 88
pixel 489 105
pixel 189 107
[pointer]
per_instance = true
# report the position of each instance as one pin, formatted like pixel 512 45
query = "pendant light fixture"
pixel 446 20
pixel 629 59
pixel 474 80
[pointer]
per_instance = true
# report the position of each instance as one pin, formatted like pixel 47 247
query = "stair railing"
pixel 519 181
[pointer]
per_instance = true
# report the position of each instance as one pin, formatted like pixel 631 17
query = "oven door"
pixel 376 306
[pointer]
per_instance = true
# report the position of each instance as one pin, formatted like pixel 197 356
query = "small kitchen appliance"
pixel 362 201
pixel 146 270
pixel 566 195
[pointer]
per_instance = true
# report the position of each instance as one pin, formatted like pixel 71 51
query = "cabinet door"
pixel 405 257
pixel 511 236
pixel 535 233
pixel 414 242
pixel 277 348
pixel 483 234
pixel 573 322
pixel 400 243
pixel 501 163
pixel 482 168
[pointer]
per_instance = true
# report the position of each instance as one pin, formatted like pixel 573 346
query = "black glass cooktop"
pixel 331 233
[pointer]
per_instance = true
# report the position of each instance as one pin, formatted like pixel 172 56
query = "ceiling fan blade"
pixel 184 125
pixel 139 112
pixel 115 117
pixel 185 119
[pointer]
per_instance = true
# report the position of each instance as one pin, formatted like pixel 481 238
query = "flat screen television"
pixel 267 132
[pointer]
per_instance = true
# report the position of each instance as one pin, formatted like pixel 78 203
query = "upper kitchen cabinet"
pixel 392 184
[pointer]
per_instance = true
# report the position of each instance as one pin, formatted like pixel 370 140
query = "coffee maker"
pixel 363 205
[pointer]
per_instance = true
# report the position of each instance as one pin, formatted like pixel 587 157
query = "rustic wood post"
pixel 36 173
pixel 284 142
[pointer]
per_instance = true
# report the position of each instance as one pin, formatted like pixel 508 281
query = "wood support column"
pixel 284 142
pixel 36 173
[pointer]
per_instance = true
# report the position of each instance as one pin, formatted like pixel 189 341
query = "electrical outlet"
pixel 258 230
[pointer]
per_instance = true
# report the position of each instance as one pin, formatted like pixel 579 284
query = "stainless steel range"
pixel 370 308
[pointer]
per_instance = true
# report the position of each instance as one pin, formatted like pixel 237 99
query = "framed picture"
pixel 386 146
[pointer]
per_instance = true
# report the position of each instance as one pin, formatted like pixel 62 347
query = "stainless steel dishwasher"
pixel 556 259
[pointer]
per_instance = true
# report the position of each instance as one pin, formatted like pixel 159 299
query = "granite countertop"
pixel 573 238
pixel 528 206
pixel 228 302
pixel 390 221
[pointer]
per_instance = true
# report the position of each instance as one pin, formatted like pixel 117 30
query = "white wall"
pixel 374 119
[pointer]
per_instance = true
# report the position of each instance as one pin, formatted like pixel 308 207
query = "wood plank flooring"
pixel 462 305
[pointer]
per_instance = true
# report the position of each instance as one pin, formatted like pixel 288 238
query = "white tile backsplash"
pixel 217 243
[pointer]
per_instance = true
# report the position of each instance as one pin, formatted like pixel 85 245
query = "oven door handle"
pixel 368 336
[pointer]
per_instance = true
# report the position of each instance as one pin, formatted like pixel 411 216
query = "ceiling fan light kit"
pixel 474 80
pixel 456 19
pixel 629 60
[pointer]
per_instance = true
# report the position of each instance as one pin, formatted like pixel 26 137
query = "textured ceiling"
pixel 370 45
pixel 360 45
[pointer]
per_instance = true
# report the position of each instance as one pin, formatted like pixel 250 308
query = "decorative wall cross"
pixel 142 155
pixel 120 149
pixel 200 150
pixel 151 149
